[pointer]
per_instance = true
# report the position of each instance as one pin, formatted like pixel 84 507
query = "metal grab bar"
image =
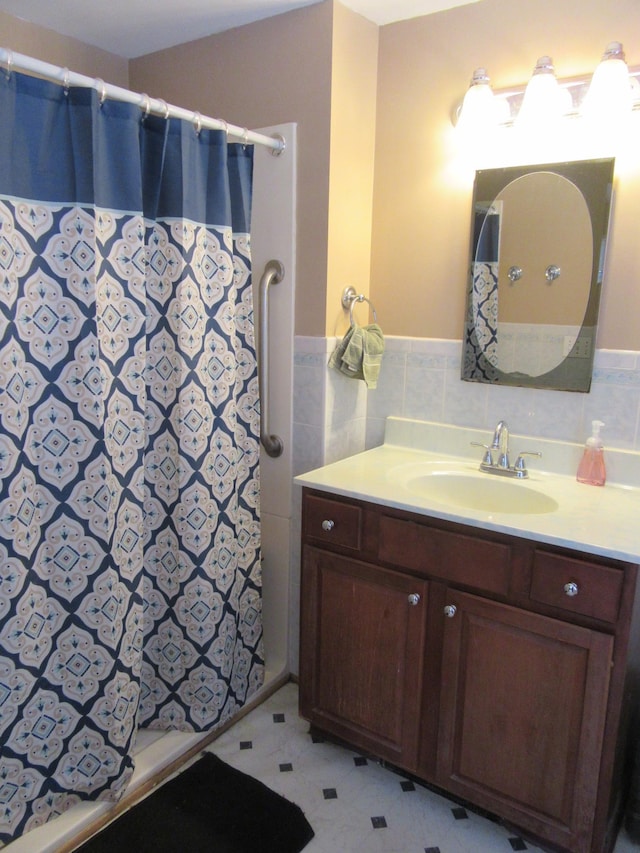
pixel 273 274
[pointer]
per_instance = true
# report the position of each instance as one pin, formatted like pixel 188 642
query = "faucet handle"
pixel 520 463
pixel 487 459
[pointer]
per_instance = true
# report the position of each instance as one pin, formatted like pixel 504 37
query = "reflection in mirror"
pixel 536 259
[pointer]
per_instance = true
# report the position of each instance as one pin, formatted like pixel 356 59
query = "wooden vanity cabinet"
pixel 494 667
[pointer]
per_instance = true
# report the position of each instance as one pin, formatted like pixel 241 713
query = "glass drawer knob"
pixel 414 599
pixel 328 525
pixel 450 611
pixel 515 274
pixel 571 589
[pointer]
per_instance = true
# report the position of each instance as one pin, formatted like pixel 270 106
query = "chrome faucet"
pixel 501 444
pixel 500 464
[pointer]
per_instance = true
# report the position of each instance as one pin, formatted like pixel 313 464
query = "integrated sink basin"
pixel 466 488
pixel 467 491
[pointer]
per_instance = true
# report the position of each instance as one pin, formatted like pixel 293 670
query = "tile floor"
pixel 355 804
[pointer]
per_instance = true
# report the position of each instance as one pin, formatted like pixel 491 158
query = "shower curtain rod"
pixel 20 62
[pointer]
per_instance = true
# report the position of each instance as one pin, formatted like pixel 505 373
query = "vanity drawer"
pixel 333 522
pixel 578 586
pixel 454 557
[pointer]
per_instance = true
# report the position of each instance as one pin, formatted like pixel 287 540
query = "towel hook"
pixel 350 297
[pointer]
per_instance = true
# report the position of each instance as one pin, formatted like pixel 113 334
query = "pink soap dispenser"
pixel 591 469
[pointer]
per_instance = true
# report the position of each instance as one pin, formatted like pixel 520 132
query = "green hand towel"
pixel 351 362
pixel 372 357
pixel 359 354
pixel 337 354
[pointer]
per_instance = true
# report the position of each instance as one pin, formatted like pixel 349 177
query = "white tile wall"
pixel 420 378
pixel 521 345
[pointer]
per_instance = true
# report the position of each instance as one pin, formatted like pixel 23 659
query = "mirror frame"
pixel 594 179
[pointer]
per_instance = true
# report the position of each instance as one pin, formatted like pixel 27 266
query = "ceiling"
pixel 131 28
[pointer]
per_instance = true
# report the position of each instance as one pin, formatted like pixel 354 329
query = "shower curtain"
pixel 481 323
pixel 130 588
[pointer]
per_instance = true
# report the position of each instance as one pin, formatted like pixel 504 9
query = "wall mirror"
pixel 538 236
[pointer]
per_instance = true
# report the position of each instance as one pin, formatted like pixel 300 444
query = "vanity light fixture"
pixel 614 89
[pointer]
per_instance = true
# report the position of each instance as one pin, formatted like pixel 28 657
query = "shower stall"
pixel 273 237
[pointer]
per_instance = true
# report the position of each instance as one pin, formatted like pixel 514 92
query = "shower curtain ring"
pixel 245 137
pixel 9 63
pixel 145 105
pixel 165 106
pixel 65 80
pixel 197 123
pixel 102 88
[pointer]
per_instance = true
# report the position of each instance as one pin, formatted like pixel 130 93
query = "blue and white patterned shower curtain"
pixel 481 323
pixel 130 588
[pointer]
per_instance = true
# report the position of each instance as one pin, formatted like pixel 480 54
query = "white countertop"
pixel 597 520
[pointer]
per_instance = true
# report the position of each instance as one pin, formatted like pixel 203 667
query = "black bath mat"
pixel 210 808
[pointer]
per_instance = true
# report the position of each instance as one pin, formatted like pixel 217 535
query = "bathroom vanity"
pixel 490 653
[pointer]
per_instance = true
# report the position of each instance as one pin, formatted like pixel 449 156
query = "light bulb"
pixel 479 109
pixel 543 99
pixel 609 96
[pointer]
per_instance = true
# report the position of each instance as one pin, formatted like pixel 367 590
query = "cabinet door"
pixel 362 640
pixel 523 706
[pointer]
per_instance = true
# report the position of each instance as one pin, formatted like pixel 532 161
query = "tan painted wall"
pixel 273 71
pixel 353 117
pixel 23 37
pixel 422 205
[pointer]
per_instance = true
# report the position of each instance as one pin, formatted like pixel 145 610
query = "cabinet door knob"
pixel 450 610
pixel 328 525
pixel 571 588
pixel 414 599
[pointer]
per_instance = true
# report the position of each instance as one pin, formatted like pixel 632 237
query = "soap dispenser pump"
pixel 591 469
